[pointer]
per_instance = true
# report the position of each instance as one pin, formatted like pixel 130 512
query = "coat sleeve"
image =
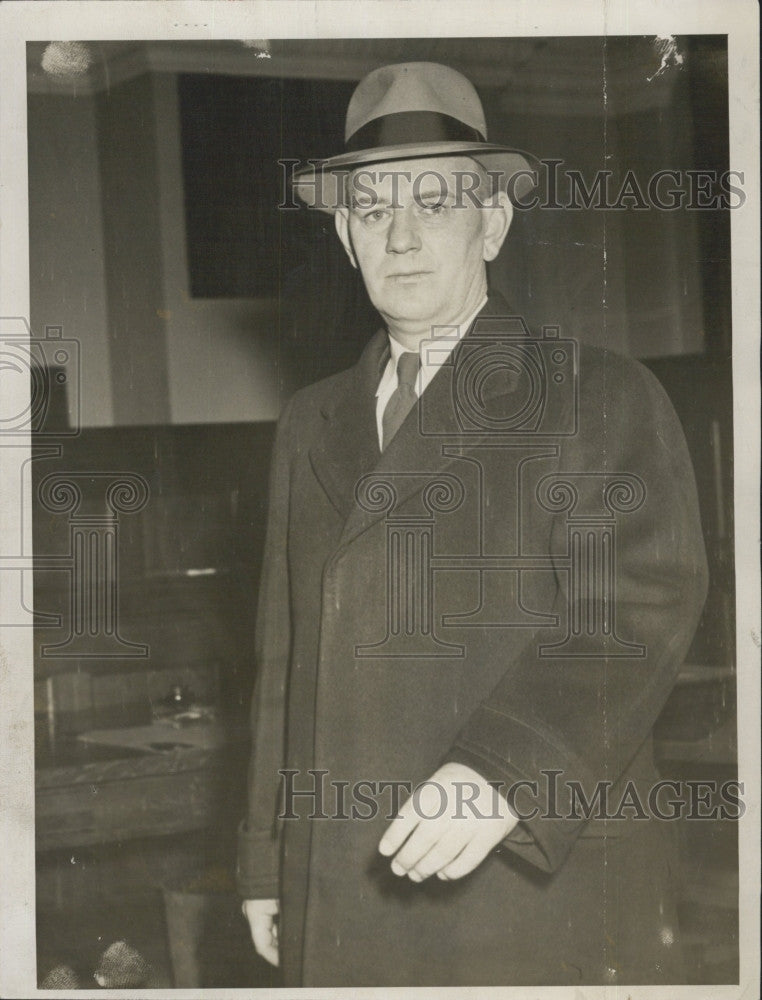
pixel 258 836
pixel 586 717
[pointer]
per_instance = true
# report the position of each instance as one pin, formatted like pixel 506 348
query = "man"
pixel 483 569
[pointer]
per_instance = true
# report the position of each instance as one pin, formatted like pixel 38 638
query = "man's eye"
pixel 375 215
pixel 434 208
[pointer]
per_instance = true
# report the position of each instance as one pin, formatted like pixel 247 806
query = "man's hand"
pixel 468 818
pixel 262 915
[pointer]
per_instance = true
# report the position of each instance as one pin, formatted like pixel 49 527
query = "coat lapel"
pixel 347 446
pixel 428 441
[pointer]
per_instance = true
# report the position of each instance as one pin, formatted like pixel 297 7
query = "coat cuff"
pixel 544 835
pixel 258 864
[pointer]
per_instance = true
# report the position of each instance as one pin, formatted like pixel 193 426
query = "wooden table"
pixel 93 794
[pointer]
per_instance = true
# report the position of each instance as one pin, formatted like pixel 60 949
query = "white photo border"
pixel 179 20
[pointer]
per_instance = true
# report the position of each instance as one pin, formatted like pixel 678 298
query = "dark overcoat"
pixel 513 585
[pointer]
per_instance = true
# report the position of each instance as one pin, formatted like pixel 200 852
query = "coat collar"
pixel 347 451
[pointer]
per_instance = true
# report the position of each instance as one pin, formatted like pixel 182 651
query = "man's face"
pixel 419 239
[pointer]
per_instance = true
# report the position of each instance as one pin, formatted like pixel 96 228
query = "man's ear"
pixel 497 221
pixel 341 220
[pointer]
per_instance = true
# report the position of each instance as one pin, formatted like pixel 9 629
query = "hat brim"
pixel 321 184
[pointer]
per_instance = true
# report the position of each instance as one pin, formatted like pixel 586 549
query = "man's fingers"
pixel 418 844
pixel 431 834
pixel 270 954
pixel 426 803
pixel 398 832
pixel 469 858
pixel 264 936
pixel 442 854
pixel 262 915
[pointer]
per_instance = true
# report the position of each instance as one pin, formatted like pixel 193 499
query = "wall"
pixel 622 279
pixel 127 128
pixel 222 354
pixel 107 262
pixel 67 279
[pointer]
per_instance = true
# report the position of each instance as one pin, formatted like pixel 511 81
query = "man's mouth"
pixel 408 275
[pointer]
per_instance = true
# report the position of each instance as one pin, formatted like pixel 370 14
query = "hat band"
pixel 411 127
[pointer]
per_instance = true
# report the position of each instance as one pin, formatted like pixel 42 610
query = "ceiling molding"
pixel 537 76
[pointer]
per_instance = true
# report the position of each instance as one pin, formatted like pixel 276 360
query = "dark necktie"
pixel 403 398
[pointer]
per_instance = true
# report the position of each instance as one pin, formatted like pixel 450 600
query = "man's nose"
pixel 402 234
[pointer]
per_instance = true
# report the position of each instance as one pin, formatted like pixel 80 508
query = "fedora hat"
pixel 408 111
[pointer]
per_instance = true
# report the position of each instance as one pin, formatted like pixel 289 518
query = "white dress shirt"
pixel 434 352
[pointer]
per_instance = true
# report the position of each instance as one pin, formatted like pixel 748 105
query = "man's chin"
pixel 409 308
pixel 413 322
